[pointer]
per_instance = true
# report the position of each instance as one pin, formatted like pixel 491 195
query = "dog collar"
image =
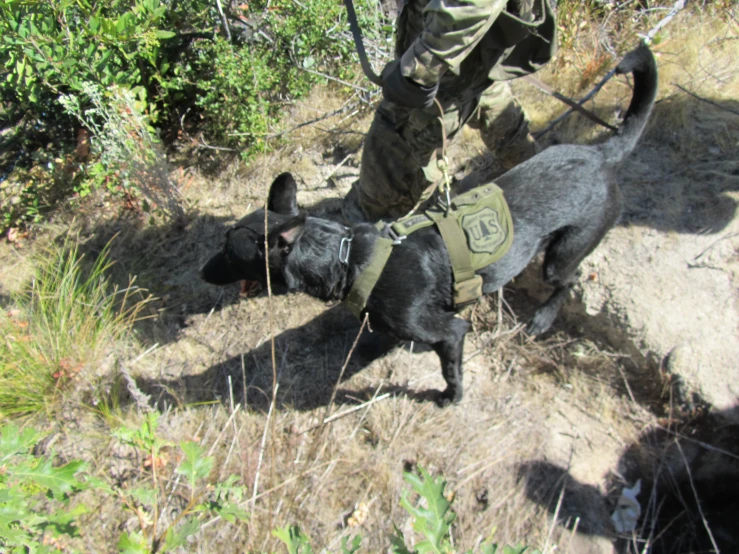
pixel 345 248
pixel 362 287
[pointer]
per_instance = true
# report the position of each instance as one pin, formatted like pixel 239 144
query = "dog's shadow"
pixel 308 361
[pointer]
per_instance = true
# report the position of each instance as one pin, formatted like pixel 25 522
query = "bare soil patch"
pixel 636 381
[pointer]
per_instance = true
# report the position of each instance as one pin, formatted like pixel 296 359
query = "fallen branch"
pixel 587 97
pixel 706 100
pixel 347 412
pixel 679 5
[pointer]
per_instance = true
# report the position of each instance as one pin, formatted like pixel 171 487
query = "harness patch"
pixel 485 233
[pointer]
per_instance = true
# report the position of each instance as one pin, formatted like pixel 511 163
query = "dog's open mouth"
pixel 250 289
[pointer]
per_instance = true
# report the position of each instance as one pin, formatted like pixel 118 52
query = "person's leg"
pixel 397 161
pixel 504 127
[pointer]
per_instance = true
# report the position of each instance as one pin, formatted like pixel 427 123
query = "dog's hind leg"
pixel 562 259
pixel 450 350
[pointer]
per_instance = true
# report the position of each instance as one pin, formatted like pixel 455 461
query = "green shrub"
pixel 35 495
pixel 149 500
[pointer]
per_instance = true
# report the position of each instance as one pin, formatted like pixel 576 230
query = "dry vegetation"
pixel 559 425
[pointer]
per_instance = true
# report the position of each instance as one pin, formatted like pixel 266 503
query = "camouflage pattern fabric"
pixel 471 47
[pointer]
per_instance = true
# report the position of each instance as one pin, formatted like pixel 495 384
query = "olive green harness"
pixel 476 228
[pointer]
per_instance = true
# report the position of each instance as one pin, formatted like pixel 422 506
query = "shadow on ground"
pixel 690 485
pixel 309 360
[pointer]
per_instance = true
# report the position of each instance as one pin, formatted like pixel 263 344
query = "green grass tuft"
pixel 64 320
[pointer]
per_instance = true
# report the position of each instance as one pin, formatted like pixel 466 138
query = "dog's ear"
pixel 282 195
pixel 284 236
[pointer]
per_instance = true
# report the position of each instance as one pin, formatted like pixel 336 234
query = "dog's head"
pixel 242 255
pixel 306 253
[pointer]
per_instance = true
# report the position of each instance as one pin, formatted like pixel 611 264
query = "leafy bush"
pixel 432 518
pixel 35 512
pixel 50 48
pixel 149 501
pixel 34 495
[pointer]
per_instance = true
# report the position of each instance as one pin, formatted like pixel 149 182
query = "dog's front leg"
pixel 450 350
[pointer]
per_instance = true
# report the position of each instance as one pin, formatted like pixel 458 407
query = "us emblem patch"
pixel 485 234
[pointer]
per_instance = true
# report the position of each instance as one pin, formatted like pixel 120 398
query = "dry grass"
pixel 538 417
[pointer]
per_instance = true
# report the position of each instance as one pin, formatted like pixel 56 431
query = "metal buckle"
pixel 397 239
pixel 344 248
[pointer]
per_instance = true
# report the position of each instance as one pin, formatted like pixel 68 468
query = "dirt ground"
pixel 637 381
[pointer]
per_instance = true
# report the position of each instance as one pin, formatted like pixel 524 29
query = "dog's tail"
pixel 640 62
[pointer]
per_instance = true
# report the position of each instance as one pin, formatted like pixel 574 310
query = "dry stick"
pixel 261 452
pixel 697 500
pixel 220 435
pixel 346 412
pixel 224 20
pixel 679 5
pixel 369 405
pixel 572 535
pixel 626 382
pixel 568 113
pixel 330 78
pixel 700 443
pixel 341 373
pixel 556 515
pixel 275 384
pixel 304 124
pixel 706 100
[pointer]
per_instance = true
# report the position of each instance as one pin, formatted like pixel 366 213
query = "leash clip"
pixel 397 239
pixel 445 186
pixel 345 248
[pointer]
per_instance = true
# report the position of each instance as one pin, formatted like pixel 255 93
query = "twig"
pixel 556 515
pixel 706 100
pixel 218 438
pixel 700 443
pixel 343 368
pixel 306 123
pixel 626 382
pixel 330 78
pixel 697 500
pixel 587 97
pixel 679 5
pixel 224 20
pixel 369 405
pixel 275 384
pixel 261 451
pixel 347 412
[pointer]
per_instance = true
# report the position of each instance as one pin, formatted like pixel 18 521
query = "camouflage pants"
pixel 398 161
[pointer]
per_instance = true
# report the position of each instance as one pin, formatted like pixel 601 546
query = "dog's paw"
pixel 540 323
pixel 448 397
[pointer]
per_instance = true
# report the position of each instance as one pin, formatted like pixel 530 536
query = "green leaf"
pixel 397 541
pixel 59 480
pixel 195 466
pixel 296 542
pixel 133 544
pixel 175 538
pixel 353 547
pixel 143 495
pixel 230 512
pixel 164 35
pixel 12 442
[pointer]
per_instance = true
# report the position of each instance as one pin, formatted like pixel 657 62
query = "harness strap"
pixel 467 285
pixel 362 287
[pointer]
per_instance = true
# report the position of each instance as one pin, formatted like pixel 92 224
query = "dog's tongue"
pixel 249 289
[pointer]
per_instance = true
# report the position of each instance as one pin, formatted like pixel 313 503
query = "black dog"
pixel 562 200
